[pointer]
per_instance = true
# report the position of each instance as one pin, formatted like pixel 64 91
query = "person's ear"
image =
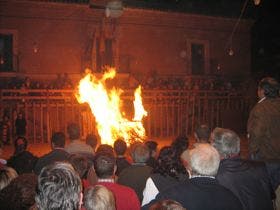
pixel 115 168
pixel 81 200
pixel 189 172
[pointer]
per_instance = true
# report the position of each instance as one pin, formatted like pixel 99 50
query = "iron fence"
pixel 170 112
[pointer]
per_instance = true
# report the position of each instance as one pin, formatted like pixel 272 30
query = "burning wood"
pixel 105 105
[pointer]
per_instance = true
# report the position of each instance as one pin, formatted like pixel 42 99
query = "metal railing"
pixel 170 112
pixel 66 1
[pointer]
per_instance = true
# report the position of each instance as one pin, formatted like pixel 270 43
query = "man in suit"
pixel 202 191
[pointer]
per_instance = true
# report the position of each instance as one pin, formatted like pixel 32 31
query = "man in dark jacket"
pixel 202 191
pixel 248 180
pixel 57 154
pixel 136 175
pixel 264 122
pixel 22 160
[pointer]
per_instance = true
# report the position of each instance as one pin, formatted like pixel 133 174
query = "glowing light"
pixel 106 106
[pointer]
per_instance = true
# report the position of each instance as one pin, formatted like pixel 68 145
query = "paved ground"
pixel 40 149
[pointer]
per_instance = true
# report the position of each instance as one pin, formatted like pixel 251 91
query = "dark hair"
pixel 80 164
pixel 58 139
pixel 20 193
pixel 152 145
pixel 59 187
pixel 105 148
pixel 120 146
pixel 104 164
pixel 203 133
pixel 166 205
pixel 20 144
pixel 73 130
pixel 91 140
pixel 270 86
pixel 167 163
pixel 180 144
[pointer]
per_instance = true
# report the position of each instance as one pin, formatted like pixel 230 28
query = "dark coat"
pixel 263 128
pixel 122 163
pixel 51 157
pixel 249 181
pixel 135 176
pixel 200 193
pixel 164 182
pixel 23 162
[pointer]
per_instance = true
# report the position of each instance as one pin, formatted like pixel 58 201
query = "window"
pixel 197 54
pixel 198 57
pixel 6 52
pixel 104 53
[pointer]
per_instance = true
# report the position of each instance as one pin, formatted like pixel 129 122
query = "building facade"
pixel 41 39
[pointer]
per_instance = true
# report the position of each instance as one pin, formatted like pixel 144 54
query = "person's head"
pixel 152 145
pixel 166 162
pixel 104 165
pixel 58 140
pixel 80 164
pixel 91 140
pixel 226 141
pixel 268 87
pixel 20 144
pixel 73 131
pixel 203 160
pixel 59 187
pixel 105 148
pixel 7 174
pixel 120 147
pixel 20 115
pixel 180 144
pixel 166 205
pixel 20 193
pixel 202 134
pixel 139 152
pixel 99 197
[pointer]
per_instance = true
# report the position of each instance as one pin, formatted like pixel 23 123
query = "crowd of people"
pixel 149 82
pixel 210 174
pixel 62 81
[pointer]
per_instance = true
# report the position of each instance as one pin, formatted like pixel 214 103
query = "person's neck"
pixel 201 176
pixel 108 179
pixel 262 99
pixel 58 148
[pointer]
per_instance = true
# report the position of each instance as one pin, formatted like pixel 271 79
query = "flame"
pixel 105 104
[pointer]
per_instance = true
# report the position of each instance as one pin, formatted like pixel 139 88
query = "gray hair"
pixel 140 153
pixel 204 160
pixel 59 187
pixel 99 197
pixel 226 141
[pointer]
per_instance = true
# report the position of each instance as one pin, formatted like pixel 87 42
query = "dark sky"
pixel 266 39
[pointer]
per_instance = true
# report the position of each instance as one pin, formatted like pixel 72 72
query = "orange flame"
pixel 105 105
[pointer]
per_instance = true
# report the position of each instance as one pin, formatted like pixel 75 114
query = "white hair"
pixel 226 141
pixel 204 160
